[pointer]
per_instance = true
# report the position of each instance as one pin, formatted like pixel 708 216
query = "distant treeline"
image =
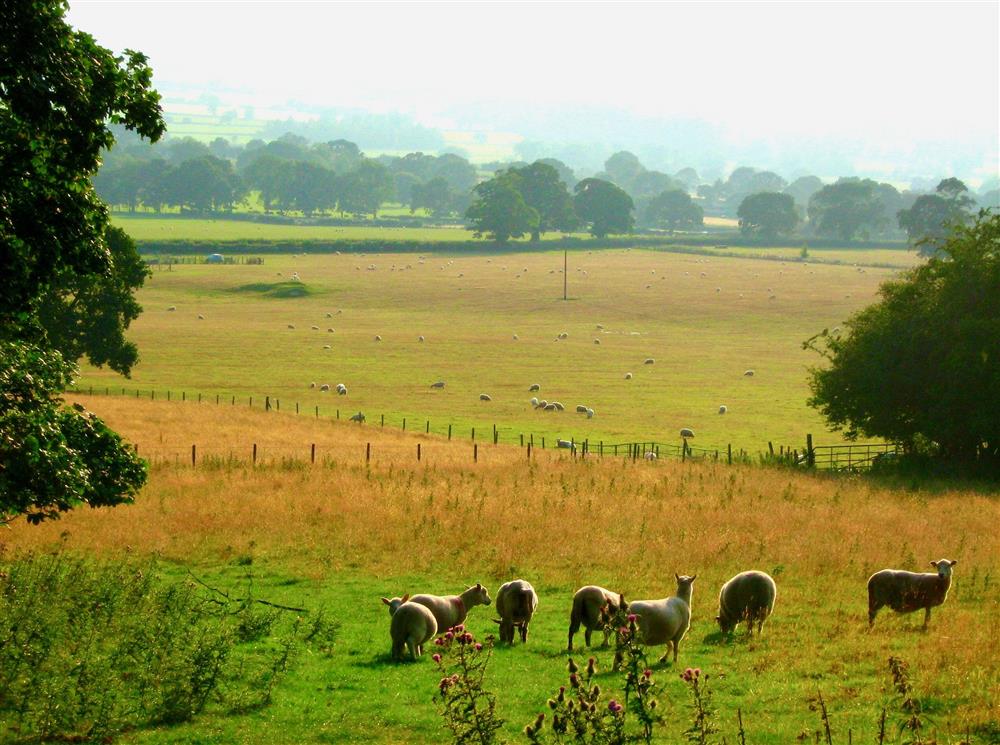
pixel 292 176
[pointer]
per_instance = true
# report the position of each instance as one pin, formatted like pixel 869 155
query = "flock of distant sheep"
pixel 748 597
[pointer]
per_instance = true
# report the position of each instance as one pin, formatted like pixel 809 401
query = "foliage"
pixel 847 209
pixel 605 207
pixel 92 649
pixel 435 195
pixel 674 210
pixel 702 728
pixel 366 188
pixel 767 214
pixel 499 211
pixel 58 91
pixel 544 191
pixel 930 218
pixel 469 710
pixel 922 366
pixel 88 314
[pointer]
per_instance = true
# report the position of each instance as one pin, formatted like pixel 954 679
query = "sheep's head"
pixel 477 595
pixel 943 567
pixel 725 624
pixel 395 603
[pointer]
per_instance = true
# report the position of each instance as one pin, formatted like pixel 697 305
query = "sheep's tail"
pixel 524 609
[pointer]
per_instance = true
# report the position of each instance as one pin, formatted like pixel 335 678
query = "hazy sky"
pixel 898 72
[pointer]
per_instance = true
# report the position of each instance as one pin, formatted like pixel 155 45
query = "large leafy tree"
pixel 767 215
pixel 544 191
pixel 499 210
pixel 927 222
pixel 605 207
pixel 922 365
pixel 58 92
pixel 366 188
pixel 675 210
pixel 848 209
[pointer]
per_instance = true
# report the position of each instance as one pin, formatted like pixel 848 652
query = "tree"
pixel 767 214
pixel 543 191
pixel 499 211
pixel 58 91
pixel 847 209
pixel 802 189
pixel 566 174
pixel 675 210
pixel 650 183
pixel 204 184
pixel 366 188
pixel 435 196
pixel 930 218
pixel 623 167
pixel 922 365
pixel 606 207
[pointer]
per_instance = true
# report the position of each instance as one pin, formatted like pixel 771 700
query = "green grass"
pixel 701 340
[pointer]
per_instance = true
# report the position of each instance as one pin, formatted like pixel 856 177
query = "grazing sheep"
pixel 312 385
pixel 534 387
pixel 665 621
pixel 559 406
pixel 329 331
pixel 563 335
pixel 341 389
pixel 534 402
pixel 648 361
pixel 723 409
pixel 201 317
pixel 549 407
pixel 749 596
pixel 359 417
pixel 327 346
pixel 485 397
pixel 291 325
pixel 590 413
pixel 378 338
pixel 748 373
pixel 172 308
pixel 412 625
pixel 541 404
pixel 593 608
pixel 628 376
pixel 420 338
pixel 451 610
pixel 515 337
pixel 597 341
pixel 581 409
pixel 906 592
pixel 686 433
pixel 438 384
pixel 315 328
pixel 516 604
pixel 567 444
pixel 329 315
pixel 325 387
pixel 650 455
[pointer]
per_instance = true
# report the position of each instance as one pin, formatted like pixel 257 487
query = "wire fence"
pixel 850 457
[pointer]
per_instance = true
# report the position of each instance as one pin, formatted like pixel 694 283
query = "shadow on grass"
pixel 277 290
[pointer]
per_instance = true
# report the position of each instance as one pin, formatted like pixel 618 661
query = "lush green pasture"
pixel 339 535
pixel 702 331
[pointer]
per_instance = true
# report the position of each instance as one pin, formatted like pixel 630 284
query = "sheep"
pixel 327 346
pixel 628 376
pixel 315 328
pixel 565 444
pixel 451 610
pixel 359 417
pixel 329 330
pixel 485 397
pixel 171 308
pixel 312 385
pixel 378 338
pixel 291 325
pixel 325 387
pixel 590 413
pixel 541 404
pixel 516 603
pixel 558 406
pixel 650 455
pixel 597 341
pixel 549 407
pixel 201 317
pixel 534 387
pixel 748 373
pixel 581 409
pixel 420 338
pixel 593 608
pixel 723 409
pixel 906 592
pixel 648 361
pixel 341 389
pixel 438 384
pixel 665 621
pixel 687 433
pixel 534 402
pixel 515 337
pixel 749 596
pixel 563 335
pixel 412 625
pixel 329 315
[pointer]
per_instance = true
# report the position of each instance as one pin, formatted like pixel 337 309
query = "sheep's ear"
pixel 677 576
pixel 497 620
pixel 954 562
pixel 405 598
pixel 933 563
pixel 387 601
pixel 479 586
pixel 694 577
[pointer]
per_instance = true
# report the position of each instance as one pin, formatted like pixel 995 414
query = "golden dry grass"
pixel 564 523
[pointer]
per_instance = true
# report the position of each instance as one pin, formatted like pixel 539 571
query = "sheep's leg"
pixel 873 608
pixel 927 617
pixel 524 633
pixel 574 626
pixel 665 654
pixel 586 636
pixel 676 647
pixel 414 648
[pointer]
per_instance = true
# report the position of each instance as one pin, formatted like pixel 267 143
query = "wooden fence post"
pixel 194 451
pixel 473 434
pixel 529 451
pixel 810 453
pixel 92 393
pixel 522 439
pixel 383 420
pixel 296 407
pixel 255 453
pixel 368 452
pixel 729 454
pixel 449 431
pixel 475 453
pixel 427 427
pixel 418 452
pixel 312 453
pixel 183 396
pixel 684 450
pixel 404 423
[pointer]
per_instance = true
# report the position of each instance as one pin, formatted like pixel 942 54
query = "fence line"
pixel 849 457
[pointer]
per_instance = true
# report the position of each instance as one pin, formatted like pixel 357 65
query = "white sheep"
pixel 412 626
pixel 378 338
pixel 437 384
pixel 325 387
pixel 327 346
pixel 667 620
pixel 590 413
pixel 558 406
pixel 749 596
pixel 485 397
pixel 420 338
pixel 359 417
pixel 593 608
pixel 566 444
pixel 648 361
pixel 315 328
pixel 291 325
pixel 516 603
pixel 534 387
pixel 451 610
pixel 906 592
pixel 748 373
pixel 597 341
pixel 172 308
pixel 581 409
pixel 341 389
pixel 549 407
pixel 650 455
pixel 534 402
pixel 723 409
pixel 312 385
pixel 541 404
pixel 687 433
pixel 628 376
pixel 515 337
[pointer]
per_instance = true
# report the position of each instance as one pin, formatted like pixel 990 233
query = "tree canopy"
pixel 922 365
pixel 499 210
pixel 606 208
pixel 675 210
pixel 767 215
pixel 927 222
pixel 58 91
pixel 545 192
pixel 848 209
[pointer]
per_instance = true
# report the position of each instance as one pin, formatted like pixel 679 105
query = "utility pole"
pixel 565 271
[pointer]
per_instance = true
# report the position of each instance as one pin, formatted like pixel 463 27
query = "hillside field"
pixel 340 535
pixel 703 320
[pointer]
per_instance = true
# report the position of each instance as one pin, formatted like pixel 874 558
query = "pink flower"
pixel 697 672
pixel 614 707
pixel 648 673
pixel 449 636
pixel 632 617
pixel 439 641
pixel 436 657
pixel 479 647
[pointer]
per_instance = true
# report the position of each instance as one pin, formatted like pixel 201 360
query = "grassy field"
pixel 341 535
pixel 703 320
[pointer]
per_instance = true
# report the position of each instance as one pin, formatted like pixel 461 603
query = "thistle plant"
pixel 702 727
pixel 469 710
